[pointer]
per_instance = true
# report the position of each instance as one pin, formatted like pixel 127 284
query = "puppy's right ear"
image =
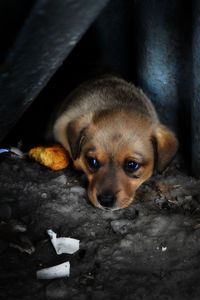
pixel 75 135
pixel 166 146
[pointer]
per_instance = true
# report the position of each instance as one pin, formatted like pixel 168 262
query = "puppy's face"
pixel 117 153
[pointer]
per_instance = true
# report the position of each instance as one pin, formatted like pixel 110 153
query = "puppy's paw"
pixel 54 157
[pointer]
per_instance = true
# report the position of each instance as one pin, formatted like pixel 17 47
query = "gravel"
pixel 149 250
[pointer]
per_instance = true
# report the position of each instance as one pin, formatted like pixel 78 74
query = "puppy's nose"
pixel 106 200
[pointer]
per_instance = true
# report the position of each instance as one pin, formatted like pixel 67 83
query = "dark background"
pixel 151 43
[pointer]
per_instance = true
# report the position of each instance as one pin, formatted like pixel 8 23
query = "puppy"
pixel 112 133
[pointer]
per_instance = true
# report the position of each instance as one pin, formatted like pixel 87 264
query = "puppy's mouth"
pixel 116 207
pixel 107 208
pixel 98 205
pixel 109 201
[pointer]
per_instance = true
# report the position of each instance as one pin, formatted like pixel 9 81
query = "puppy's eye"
pixel 131 166
pixel 93 163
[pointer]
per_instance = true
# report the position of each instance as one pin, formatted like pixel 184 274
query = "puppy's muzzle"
pixel 107 200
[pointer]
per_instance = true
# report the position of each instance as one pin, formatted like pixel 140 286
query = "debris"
pixel 122 226
pixel 17 151
pixel 188 190
pixel 23 245
pixel 162 187
pixel 63 244
pixel 77 189
pixel 188 198
pixel 54 157
pixel 173 201
pixel 58 271
pixel 187 224
pixel 13 233
pixel 163 249
pixel 61 180
pixel 176 186
pixel 14 150
pixel 3 151
pixel 197 226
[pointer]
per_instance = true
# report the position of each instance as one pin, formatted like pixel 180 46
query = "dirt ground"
pixel 150 250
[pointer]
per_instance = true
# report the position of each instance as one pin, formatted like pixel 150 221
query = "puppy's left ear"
pixel 166 146
pixel 75 135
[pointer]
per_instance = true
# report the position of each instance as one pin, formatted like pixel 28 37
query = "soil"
pixel 150 250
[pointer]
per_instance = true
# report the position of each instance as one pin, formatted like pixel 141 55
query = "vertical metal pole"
pixel 165 65
pixel 156 39
pixel 196 90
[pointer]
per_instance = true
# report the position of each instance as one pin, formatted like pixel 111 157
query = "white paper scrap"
pixel 58 271
pixel 17 151
pixel 63 244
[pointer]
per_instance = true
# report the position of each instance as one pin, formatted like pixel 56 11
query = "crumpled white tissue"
pixel 63 244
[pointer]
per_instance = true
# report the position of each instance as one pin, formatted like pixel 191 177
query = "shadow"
pixel 185 84
pixel 105 47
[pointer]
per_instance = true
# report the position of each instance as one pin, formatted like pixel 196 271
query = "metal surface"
pixel 164 62
pixel 155 43
pixel 196 91
pixel 163 44
pixel 50 32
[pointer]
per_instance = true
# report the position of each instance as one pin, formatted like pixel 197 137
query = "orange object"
pixel 54 157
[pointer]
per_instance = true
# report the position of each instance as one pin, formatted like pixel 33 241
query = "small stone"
pixel 187 224
pixel 161 202
pixel 93 234
pixel 188 198
pixel 197 226
pixel 60 180
pixel 77 189
pixel 44 195
pixel 122 226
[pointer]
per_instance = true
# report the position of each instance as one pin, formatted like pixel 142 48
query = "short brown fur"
pixel 113 122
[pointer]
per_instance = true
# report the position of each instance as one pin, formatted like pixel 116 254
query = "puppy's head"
pixel 118 151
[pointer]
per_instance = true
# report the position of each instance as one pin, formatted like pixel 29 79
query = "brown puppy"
pixel 113 134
